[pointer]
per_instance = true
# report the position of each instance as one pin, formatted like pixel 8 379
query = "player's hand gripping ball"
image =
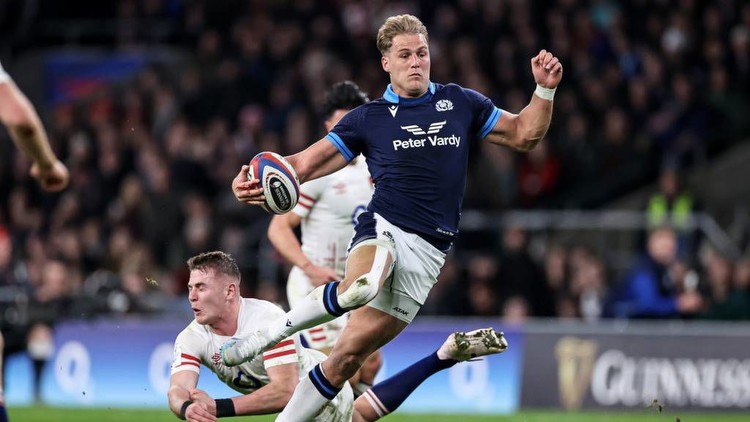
pixel 278 180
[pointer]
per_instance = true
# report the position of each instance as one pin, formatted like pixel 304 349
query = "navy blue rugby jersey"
pixel 417 151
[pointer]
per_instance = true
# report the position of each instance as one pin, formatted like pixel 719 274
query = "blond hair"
pixel 220 262
pixel 397 25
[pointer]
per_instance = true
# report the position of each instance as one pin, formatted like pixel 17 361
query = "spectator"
pixel 519 275
pixel 674 205
pixel 730 289
pixel 515 310
pixel 648 291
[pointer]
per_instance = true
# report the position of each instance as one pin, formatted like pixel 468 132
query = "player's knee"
pixel 360 291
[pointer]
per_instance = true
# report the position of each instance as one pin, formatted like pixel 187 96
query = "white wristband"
pixel 545 93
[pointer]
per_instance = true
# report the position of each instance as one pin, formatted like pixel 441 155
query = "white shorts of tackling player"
pixel 323 336
pixel 417 265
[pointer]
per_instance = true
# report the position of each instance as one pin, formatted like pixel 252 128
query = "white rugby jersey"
pixel 4 77
pixel 329 207
pixel 197 345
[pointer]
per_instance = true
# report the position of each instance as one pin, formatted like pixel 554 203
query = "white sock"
pixel 306 403
pixel 308 313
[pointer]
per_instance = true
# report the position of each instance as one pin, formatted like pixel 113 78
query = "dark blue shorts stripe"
pixel 365 229
pixel 324 387
pixel 331 301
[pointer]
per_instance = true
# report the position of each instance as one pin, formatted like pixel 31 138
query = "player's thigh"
pixel 369 258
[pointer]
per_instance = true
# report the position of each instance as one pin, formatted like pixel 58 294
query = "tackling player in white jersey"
pixel 327 211
pixel 266 383
pixel 18 115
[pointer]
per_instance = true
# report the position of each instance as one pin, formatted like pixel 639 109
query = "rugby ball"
pixel 278 180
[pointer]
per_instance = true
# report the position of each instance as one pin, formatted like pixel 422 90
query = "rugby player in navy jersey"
pixel 416 142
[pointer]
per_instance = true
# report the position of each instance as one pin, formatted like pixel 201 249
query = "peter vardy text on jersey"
pixel 435 141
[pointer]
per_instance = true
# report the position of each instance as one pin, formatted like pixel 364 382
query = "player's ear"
pixel 385 64
pixel 232 290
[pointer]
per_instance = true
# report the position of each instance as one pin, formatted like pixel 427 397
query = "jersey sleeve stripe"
pixel 279 354
pixel 319 338
pixel 340 145
pixel 306 202
pixel 287 342
pixel 316 330
pixel 181 368
pixel 189 363
pixel 308 197
pixel 490 123
pixel 188 357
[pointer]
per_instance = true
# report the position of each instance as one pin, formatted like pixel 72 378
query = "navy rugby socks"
pixel 388 395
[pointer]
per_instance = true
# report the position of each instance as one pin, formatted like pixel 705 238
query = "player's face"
pixel 408 63
pixel 207 293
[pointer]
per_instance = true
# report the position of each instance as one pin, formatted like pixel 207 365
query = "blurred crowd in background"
pixel 651 88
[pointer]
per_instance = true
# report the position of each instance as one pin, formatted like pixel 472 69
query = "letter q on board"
pixel 73 369
pixel 159 367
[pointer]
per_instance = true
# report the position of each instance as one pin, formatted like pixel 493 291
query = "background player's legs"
pixel 368 330
pixel 40 348
pixel 367 373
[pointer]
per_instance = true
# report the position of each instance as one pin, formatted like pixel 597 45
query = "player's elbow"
pixel 279 227
pixel 273 228
pixel 528 138
pixel 526 144
pixel 19 121
pixel 23 130
pixel 17 114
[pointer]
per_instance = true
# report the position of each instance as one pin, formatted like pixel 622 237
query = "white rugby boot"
pixel 239 350
pixel 463 346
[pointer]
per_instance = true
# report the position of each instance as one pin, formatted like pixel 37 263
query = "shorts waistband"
pixel 443 245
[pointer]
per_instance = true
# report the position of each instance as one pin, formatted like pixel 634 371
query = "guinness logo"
pixel 575 363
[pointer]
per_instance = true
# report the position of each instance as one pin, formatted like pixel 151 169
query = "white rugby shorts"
pixel 416 266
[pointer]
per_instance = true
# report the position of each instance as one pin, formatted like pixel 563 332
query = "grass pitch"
pixel 47 414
